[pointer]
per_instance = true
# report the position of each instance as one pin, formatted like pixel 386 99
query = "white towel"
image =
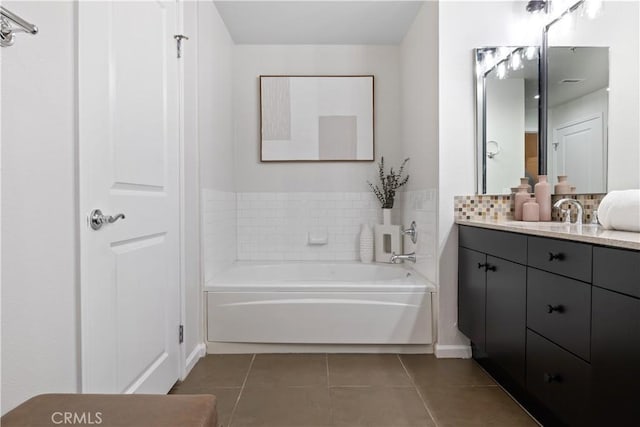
pixel 620 210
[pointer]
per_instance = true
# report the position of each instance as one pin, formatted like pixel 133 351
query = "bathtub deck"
pixel 351 390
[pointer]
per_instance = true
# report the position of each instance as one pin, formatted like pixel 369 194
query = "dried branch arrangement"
pixel 389 183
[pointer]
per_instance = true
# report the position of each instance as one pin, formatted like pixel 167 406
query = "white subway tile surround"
pixel 219 219
pixel 420 206
pixel 269 226
pixel 276 226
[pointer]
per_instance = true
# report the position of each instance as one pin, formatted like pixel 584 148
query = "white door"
pixel 128 145
pixel 579 151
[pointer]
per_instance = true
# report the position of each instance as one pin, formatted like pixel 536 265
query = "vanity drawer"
pixel 559 308
pixel 510 246
pixel 617 270
pixel 558 379
pixel 561 257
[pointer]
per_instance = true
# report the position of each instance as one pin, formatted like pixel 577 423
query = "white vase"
pixel 386 216
pixel 366 244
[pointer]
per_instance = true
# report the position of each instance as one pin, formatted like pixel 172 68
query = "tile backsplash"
pixel 421 206
pixel 483 206
pixel 276 226
pixel 500 207
pixel 590 203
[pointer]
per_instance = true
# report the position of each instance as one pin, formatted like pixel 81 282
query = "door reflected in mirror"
pixel 578 109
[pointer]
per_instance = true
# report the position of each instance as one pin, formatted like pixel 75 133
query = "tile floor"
pixel 314 390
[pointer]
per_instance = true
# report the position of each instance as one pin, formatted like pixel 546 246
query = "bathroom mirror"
pixel 316 118
pixel 508 111
pixel 507 117
pixel 577 116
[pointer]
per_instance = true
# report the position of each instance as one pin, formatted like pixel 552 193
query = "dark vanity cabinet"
pixel 492 297
pixel 615 338
pixel 505 316
pixel 472 299
pixel 556 322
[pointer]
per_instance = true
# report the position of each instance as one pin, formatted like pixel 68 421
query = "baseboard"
pixel 198 351
pixel 444 351
pixel 243 348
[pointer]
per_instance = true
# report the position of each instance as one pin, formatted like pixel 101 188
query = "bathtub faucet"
pixel 403 257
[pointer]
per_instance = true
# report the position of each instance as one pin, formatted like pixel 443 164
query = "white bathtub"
pixel 319 303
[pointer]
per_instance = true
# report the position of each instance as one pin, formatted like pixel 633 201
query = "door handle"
pixel 97 219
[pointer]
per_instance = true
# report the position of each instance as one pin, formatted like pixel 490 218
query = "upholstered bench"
pixel 130 410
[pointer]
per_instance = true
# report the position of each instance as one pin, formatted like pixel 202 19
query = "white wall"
pixel 531 120
pixel 506 126
pixel 215 53
pixel 419 121
pixel 192 315
pixel 419 57
pixel 216 140
pixel 39 235
pixel 250 61
pixel 617 26
pixel 463 26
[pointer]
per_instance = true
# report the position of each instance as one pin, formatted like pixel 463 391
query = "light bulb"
pixel 592 8
pixel 501 72
pixel 516 60
pixel 531 52
pixel 489 60
pixel 503 52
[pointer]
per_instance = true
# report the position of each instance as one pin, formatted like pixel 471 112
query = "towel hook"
pixel 492 154
pixel 8 31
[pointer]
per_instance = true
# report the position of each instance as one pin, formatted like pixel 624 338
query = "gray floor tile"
pixel 378 407
pixel 366 369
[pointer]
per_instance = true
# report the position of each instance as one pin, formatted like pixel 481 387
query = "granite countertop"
pixel 588 233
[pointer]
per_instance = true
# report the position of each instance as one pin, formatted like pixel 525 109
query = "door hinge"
pixel 180 334
pixel 179 38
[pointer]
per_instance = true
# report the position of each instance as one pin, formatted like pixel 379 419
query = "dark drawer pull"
pixel 490 268
pixel 481 265
pixel 559 256
pixel 552 378
pixel 551 308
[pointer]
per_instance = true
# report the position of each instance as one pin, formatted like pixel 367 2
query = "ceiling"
pixel 588 64
pixel 318 22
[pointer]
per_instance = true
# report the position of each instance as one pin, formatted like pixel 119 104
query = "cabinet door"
pixel 615 359
pixel 559 380
pixel 506 316
pixel 471 295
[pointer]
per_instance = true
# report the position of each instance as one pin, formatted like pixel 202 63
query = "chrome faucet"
pixel 403 257
pixel 412 232
pixel 567 212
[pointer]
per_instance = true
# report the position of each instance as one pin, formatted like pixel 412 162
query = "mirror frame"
pixel 481 116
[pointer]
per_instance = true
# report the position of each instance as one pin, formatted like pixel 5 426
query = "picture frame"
pixel 317 118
